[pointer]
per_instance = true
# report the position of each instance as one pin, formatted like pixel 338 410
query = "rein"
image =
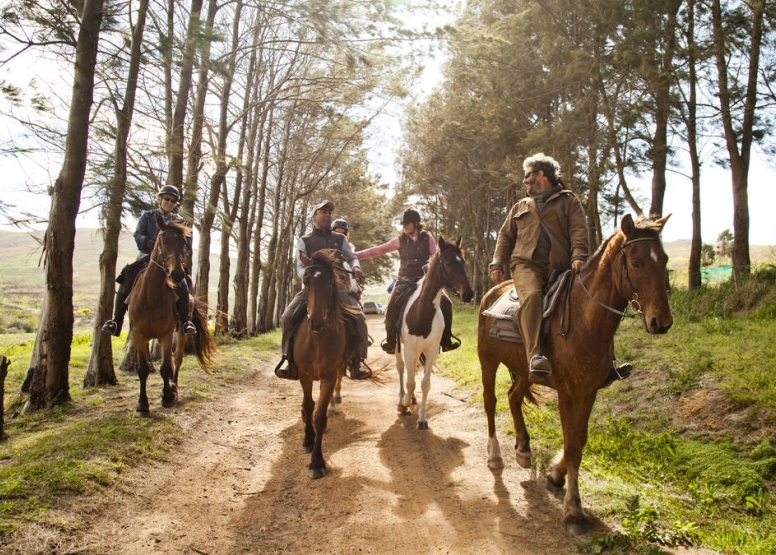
pixel 165 269
pixel 633 303
pixel 331 286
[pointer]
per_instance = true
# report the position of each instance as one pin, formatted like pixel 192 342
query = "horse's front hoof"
pixel 403 411
pixel 414 401
pixel 577 528
pixel 422 425
pixel 316 473
pixel 142 411
pixel 523 459
pixel 338 399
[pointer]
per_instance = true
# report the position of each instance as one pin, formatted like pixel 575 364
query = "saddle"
pixel 503 311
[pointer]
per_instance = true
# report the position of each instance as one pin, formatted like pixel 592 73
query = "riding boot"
pixel 617 373
pixel 291 371
pixel 113 327
pixel 182 308
pixel 447 343
pixel 391 319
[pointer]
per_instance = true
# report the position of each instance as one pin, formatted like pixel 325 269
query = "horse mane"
pixel 329 258
pixel 609 248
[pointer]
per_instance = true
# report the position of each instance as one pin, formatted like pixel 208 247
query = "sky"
pixel 716 187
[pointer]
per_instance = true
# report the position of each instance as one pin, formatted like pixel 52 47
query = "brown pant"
pixel 529 280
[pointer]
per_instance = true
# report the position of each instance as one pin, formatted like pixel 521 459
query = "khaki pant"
pixel 529 281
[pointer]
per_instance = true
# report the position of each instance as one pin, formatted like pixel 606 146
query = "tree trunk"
pixel 696 247
pixel 100 370
pixel 51 362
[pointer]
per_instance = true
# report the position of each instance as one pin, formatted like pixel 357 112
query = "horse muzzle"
pixel 657 325
pixel 316 326
pixel 177 274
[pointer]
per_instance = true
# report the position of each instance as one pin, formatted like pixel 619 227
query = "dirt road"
pixel 238 482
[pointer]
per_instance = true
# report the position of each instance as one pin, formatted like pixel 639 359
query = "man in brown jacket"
pixel 544 231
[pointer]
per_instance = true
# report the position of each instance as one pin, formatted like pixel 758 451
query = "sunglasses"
pixel 170 199
pixel 529 174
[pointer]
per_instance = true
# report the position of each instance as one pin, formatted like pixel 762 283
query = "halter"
pixel 633 303
pixel 443 275
pixel 331 286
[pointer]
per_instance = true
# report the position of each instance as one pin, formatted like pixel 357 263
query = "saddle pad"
pixel 503 310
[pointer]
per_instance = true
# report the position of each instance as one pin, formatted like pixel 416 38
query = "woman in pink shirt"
pixel 416 247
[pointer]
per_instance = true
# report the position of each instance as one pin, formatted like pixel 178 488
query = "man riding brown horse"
pixel 322 237
pixel 544 232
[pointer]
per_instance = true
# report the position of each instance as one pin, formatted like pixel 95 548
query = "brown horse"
pixel 152 316
pixel 320 350
pixel 627 270
pixel 422 323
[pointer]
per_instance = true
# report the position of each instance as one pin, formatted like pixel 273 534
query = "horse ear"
pixel 627 226
pixel 661 222
pixel 305 259
pixel 458 242
pixel 441 241
pixel 160 222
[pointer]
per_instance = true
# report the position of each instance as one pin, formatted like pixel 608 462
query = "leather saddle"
pixel 503 311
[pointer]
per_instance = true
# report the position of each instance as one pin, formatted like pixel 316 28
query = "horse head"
pixel 452 269
pixel 170 247
pixel 642 277
pixel 320 282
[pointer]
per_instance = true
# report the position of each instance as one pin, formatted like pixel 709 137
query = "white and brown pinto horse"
pixel 628 270
pixel 422 323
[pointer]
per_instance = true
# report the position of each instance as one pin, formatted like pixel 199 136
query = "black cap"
pixel 410 216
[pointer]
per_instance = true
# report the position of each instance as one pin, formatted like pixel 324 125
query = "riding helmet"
pixel 171 190
pixel 410 216
pixel 340 223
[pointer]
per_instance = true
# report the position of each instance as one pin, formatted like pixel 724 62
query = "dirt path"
pixel 238 482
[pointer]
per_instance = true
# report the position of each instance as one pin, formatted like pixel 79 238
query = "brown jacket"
pixel 562 217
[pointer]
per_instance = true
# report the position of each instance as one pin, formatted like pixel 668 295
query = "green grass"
pixel 657 483
pixel 86 445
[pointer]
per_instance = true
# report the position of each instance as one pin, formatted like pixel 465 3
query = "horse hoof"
pixel 577 528
pixel 422 425
pixel 495 464
pixel 414 401
pixel 316 473
pixel 554 486
pixel 142 411
pixel 402 409
pixel 338 399
pixel 523 458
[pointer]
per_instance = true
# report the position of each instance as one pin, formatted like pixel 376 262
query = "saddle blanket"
pixel 504 326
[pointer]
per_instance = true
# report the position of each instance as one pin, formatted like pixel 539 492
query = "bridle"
pixel 164 259
pixel 331 287
pixel 633 303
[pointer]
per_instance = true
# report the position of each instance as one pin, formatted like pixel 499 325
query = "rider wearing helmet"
pixel 323 236
pixel 145 238
pixel 416 247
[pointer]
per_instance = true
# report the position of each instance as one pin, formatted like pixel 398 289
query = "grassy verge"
pixel 86 445
pixel 657 479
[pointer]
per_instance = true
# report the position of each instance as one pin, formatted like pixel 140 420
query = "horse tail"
pixel 530 396
pixel 204 345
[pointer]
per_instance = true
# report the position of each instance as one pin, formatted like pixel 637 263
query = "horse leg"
pixel 488 369
pixel 168 395
pixel 317 467
pixel 574 415
pixel 400 370
pixel 425 386
pixel 338 389
pixel 410 359
pixel 143 369
pixel 308 406
pixel 516 395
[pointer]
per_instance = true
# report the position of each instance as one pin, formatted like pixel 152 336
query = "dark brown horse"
pixel 320 347
pixel 628 270
pixel 422 323
pixel 151 314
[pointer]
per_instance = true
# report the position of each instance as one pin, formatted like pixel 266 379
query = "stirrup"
pixel 110 327
pixel 290 372
pixel 390 349
pixel 189 328
pixel 356 372
pixel 540 368
pixel 617 373
pixel 455 342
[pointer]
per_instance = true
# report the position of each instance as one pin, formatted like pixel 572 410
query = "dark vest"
pixel 320 239
pixel 413 255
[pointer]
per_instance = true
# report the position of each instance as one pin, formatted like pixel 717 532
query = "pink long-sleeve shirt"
pixel 391 246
